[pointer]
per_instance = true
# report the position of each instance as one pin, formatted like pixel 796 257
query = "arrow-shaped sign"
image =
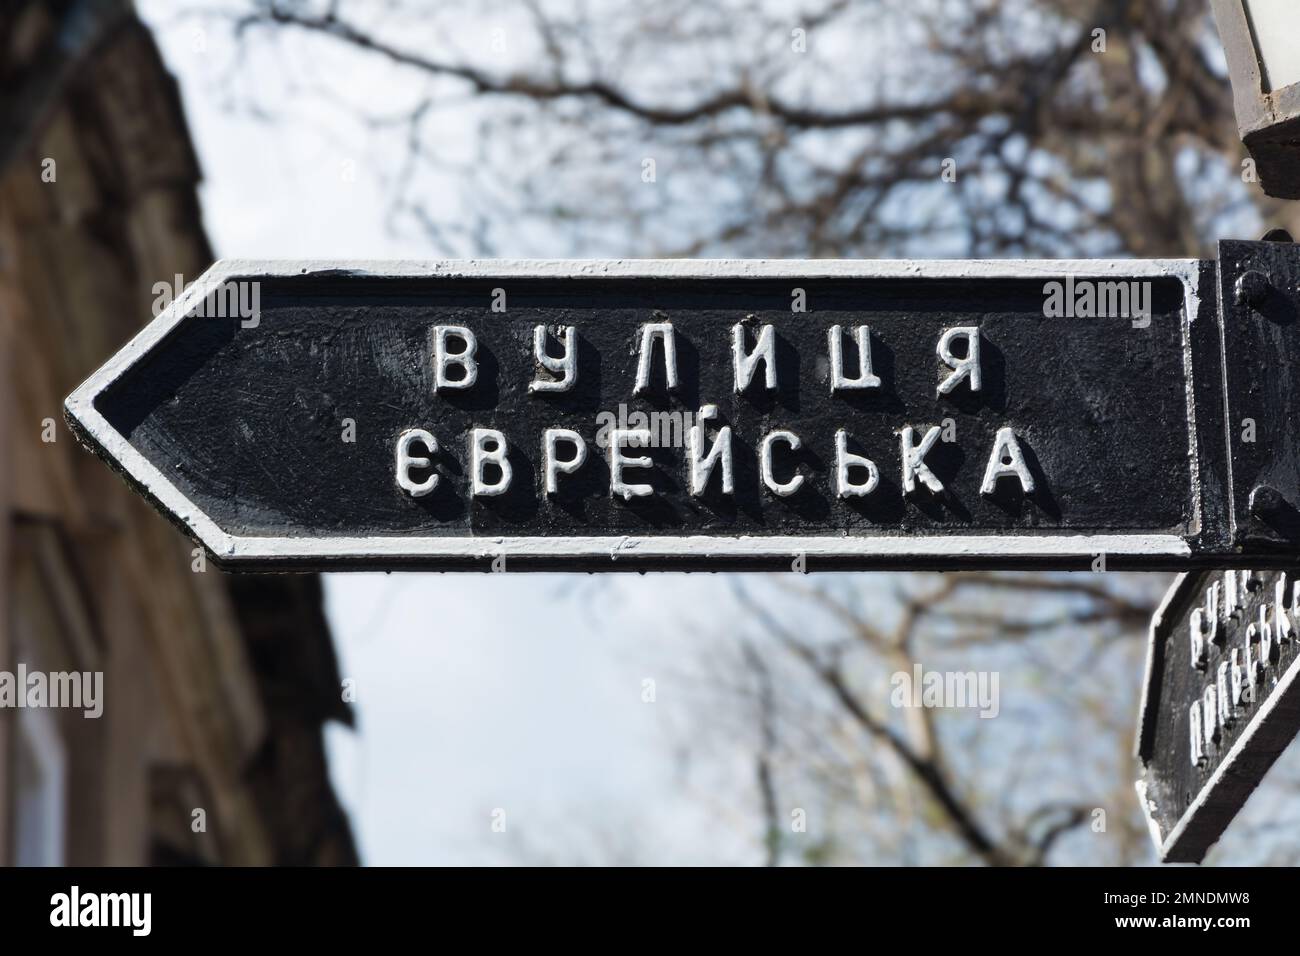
pixel 1221 702
pixel 696 414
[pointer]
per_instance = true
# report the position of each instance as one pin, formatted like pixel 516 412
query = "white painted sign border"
pixel 80 408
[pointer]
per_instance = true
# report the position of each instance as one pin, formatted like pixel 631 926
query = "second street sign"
pixel 676 414
pixel 1221 702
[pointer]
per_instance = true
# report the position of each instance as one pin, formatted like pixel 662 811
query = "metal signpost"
pixel 1221 702
pixel 711 415
pixel 806 415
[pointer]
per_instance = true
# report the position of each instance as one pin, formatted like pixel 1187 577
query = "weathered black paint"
pixel 1176 791
pixel 1259 293
pixel 250 419
pixel 247 422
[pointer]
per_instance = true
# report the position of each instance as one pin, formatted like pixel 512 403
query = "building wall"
pixel 97 203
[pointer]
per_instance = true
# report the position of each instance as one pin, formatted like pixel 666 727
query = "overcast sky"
pixel 478 693
pixel 474 692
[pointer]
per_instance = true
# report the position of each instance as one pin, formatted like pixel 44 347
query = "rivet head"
pixel 1252 288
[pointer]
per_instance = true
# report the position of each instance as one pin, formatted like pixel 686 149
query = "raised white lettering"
pixel 564 368
pixel 665 332
pixel 1006 459
pixel 963 367
pixel 488 447
pixel 553 464
pixel 444 359
pixel 865 378
pixel 845 487
pixel 765 455
pixel 406 461
pixel 618 439
pixel 743 365
pixel 914 466
pixel 701 465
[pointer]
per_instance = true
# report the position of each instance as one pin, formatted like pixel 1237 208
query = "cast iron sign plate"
pixel 1047 414
pixel 1221 702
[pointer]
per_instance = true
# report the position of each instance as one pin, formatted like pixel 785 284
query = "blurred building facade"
pixel 216 688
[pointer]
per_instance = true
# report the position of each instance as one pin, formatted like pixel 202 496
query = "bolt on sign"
pixel 1221 702
pixel 709 415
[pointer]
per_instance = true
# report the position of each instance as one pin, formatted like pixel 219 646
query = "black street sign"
pixel 705 414
pixel 1221 702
